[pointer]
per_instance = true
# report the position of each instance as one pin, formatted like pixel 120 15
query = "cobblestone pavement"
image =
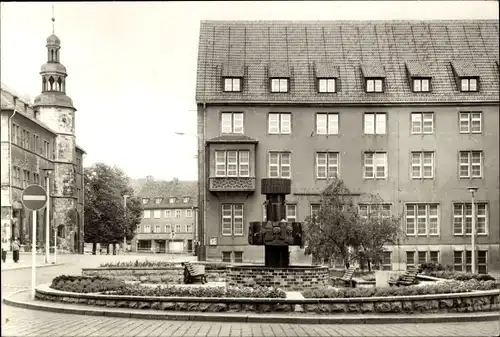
pixel 24 322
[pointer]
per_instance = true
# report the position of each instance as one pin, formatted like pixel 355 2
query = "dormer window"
pixel 468 84
pixel 374 85
pixel 326 85
pixel 186 200
pixel 158 200
pixel 232 84
pixel 171 200
pixel 374 75
pixel 145 201
pixel 279 85
pixel 421 85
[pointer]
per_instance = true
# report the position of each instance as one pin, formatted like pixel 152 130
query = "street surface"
pixel 24 322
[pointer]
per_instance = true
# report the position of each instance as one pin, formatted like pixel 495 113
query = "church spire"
pixel 53 21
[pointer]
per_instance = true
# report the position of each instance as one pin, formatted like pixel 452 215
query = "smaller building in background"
pixel 169 217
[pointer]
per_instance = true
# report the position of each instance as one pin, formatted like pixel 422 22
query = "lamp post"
pixel 473 190
pixel 47 217
pixel 125 221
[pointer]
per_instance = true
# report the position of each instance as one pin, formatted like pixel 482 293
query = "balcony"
pixel 232 184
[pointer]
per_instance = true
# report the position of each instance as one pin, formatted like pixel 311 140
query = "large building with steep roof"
pixel 405 109
pixel 38 140
pixel 169 217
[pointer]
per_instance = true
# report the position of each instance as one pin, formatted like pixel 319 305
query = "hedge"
pixel 85 284
pixel 152 264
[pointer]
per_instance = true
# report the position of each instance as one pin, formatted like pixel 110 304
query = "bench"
pixel 406 279
pixel 194 272
pixel 347 278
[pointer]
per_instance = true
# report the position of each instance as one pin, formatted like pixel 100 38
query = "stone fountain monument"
pixel 276 235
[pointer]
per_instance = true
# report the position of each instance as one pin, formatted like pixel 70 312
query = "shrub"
pixel 451 286
pixel 175 291
pixel 460 276
pixel 85 284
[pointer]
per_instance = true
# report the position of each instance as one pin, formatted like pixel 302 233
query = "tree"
pixel 338 229
pixel 106 221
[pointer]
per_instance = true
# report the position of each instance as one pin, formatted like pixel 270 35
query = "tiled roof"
pixel 233 69
pixel 166 189
pixel 232 139
pixel 465 68
pixel 264 46
pixel 326 70
pixel 373 69
pixel 418 69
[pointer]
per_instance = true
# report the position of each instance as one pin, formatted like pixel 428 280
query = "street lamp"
pixel 125 221
pixel 473 190
pixel 47 217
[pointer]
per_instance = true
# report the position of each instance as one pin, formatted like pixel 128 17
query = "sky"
pixel 132 65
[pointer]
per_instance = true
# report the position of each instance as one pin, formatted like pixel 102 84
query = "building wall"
pixel 399 188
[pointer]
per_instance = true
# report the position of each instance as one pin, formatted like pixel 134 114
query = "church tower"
pixel 55 109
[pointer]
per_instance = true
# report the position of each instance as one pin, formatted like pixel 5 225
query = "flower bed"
pixel 83 284
pixel 442 288
pixel 455 302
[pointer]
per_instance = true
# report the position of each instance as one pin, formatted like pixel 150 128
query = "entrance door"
pixel 160 244
pixel 190 246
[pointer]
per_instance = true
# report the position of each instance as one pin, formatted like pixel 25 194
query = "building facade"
pixel 39 144
pixel 169 217
pixel 406 110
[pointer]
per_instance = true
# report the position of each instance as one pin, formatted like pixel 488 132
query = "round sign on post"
pixel 34 197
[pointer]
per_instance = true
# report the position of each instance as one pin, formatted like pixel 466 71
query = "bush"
pixel 175 291
pixel 459 276
pixel 452 286
pixel 432 267
pixel 85 284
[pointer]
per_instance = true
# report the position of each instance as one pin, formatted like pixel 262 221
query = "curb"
pixel 27 267
pixel 253 318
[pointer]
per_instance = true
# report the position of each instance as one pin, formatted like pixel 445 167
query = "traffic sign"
pixel 34 197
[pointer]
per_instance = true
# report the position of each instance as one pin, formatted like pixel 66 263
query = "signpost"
pixel 34 197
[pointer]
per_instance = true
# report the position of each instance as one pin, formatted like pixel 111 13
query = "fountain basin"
pixel 293 278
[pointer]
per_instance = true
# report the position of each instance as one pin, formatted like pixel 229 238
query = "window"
pixel 315 209
pixel 157 213
pixel 280 123
pixel 232 163
pixel 422 165
pixel 232 219
pixel 232 84
pixel 145 201
pixel 46 149
pixel 280 165
pixel 238 257
pixel 327 164
pixel 178 228
pixel 36 145
pixel 147 228
pixel 468 84
pixel 470 122
pixel 168 213
pixel 434 256
pixel 386 261
pixel 157 228
pixel 374 85
pixel 378 210
pixel 138 229
pixel 187 200
pixel 26 178
pixel 177 213
pixel 460 263
pixel 421 85
pixel 482 262
pixel 168 228
pixel 13 137
pixel 36 178
pixel 422 219
pixel 226 256
pixel 375 123
pixel 291 213
pixel 189 228
pixel 326 85
pixel 16 176
pixel 375 165
pixel 232 122
pixel 410 259
pixel 189 213
pixel 279 85
pixel 462 219
pixel 327 123
pixel 471 164
pixel 158 200
pixel 143 244
pixel 147 214
pixel 422 123
pixel 172 200
pixel 422 257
